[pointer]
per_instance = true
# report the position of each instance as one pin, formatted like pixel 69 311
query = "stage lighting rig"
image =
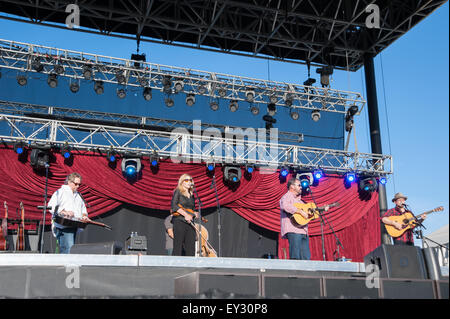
pixel 232 174
pixel 87 71
pixel 98 87
pixel 309 82
pixel 190 99
pixel 39 158
pixel 233 105
pixel 214 105
pixel 22 80
pixel 325 73
pixel 250 95
pixel 269 121
pixel 121 93
pixel 147 93
pixel 131 167
pixel 368 184
pixel 74 87
pixel 306 179
pixel 349 117
pixel 136 58
pixel 255 110
pixel 284 171
pixel 294 114
pixel 315 115
pixel 52 80
pixel 271 109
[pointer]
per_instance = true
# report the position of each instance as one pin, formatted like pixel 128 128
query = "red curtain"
pixel 355 220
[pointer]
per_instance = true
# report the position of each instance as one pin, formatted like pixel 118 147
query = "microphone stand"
pixel 324 220
pixel 44 208
pixel 213 182
pixel 199 202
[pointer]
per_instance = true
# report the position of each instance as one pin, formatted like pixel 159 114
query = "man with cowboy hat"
pixel 407 237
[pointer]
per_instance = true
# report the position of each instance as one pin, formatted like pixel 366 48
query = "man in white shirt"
pixel 68 203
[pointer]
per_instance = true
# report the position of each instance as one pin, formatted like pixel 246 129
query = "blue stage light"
pixel 65 151
pixel 154 162
pixel 249 169
pixel 284 171
pixel 210 167
pixel 130 170
pixel 18 148
pixel 383 180
pixel 350 177
pixel 112 158
pixel 304 183
pixel 318 174
pixel 131 167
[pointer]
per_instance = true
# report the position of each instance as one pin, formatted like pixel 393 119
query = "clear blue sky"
pixel 412 83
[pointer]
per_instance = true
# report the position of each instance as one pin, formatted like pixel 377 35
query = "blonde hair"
pixel 180 184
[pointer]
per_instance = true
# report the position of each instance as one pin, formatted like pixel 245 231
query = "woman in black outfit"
pixel 184 234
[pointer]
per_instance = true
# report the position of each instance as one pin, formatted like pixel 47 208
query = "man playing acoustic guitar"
pixel 407 237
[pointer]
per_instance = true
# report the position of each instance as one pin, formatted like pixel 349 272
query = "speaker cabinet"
pixel 442 289
pixel 284 286
pixel 349 288
pixel 108 248
pixel 201 282
pixel 407 289
pixel 395 261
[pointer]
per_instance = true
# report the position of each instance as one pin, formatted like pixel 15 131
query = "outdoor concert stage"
pixel 29 275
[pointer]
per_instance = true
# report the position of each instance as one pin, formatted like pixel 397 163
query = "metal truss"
pixel 126 120
pixel 29 58
pixel 256 147
pixel 319 32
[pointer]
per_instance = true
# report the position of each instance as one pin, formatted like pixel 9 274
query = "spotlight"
pixel 250 95
pixel 368 184
pixel 249 168
pixel 190 99
pixel 309 82
pixel 52 80
pixel 169 102
pixel 305 179
pixel 222 92
pixel 131 166
pixel 318 174
pixel 289 99
pixel 202 89
pixel 19 148
pixel 87 72
pixel 382 180
pixel 22 80
pixel 271 109
pixel 234 105
pixel 138 57
pixel 74 87
pixel 121 93
pixel 214 106
pixel 143 81
pixel 98 87
pixel 273 99
pixel 147 93
pixel 167 83
pixel 325 73
pixel 179 85
pixel 111 156
pixel 254 110
pixel 284 171
pixel 58 69
pixel 232 174
pixel 349 117
pixel 350 177
pixel 65 151
pixel 294 115
pixel 120 77
pixel 210 167
pixel 352 110
pixel 36 64
pixel 39 158
pixel 154 160
pixel 315 115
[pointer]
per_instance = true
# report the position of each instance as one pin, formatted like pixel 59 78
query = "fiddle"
pixel 20 243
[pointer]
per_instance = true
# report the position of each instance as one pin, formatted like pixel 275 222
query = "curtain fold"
pixel 256 199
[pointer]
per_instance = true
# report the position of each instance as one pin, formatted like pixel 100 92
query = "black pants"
pixel 183 237
pixel 400 242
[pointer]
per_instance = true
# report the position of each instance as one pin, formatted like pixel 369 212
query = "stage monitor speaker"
pixel 107 248
pixel 246 284
pixel 398 261
pixel 349 288
pixel 442 289
pixel 279 286
pixel 407 289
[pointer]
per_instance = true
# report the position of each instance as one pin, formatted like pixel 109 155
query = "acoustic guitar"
pixel 407 220
pixel 4 230
pixel 311 209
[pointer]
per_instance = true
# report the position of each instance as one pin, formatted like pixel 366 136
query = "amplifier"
pixel 136 243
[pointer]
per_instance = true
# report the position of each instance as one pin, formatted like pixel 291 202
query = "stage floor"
pixel 28 275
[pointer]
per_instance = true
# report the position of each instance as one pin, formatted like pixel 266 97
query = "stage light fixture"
pixel 154 160
pixel 58 69
pixel 210 166
pixel 202 89
pixel 294 114
pixel 167 84
pixel 138 57
pixel 250 95
pixel 352 110
pixel 349 117
pixel 179 85
pixel 233 106
pixel 98 87
pixel 222 92
pixel 284 171
pixel 214 106
pixel 169 102
pixel 36 64
pixel 19 148
pixel 273 99
pixel 143 81
pixel 269 121
pixel 350 177
pixel 120 77
pixel 111 156
pixel 289 99
pixel 87 72
pixel 249 168
pixel 382 180
pixel 232 174
pixel 52 80
pixel 190 99
pixel 315 115
pixel 271 109
pixel 368 184
pixel 306 179
pixel 22 80
pixel 325 73
pixel 131 166
pixel 255 110
pixel 318 174
pixel 39 158
pixel 309 82
pixel 147 93
pixel 74 87
pixel 121 93
pixel 66 151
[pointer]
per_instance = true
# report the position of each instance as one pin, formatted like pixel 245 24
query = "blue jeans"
pixel 66 239
pixel 298 246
